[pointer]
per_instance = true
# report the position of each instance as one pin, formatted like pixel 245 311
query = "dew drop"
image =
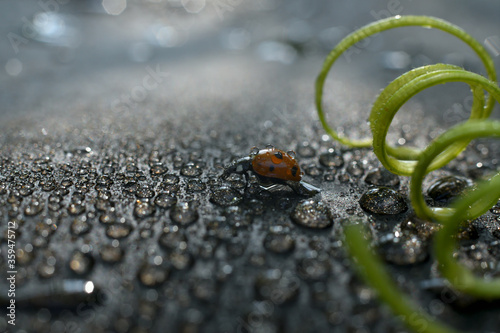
pixel 448 187
pixel 383 200
pixel 331 159
pixel 118 230
pixel 184 213
pixel 191 169
pixel 80 226
pixel 143 208
pixel 152 275
pixel 279 242
pixel 111 254
pixel 225 196
pixel 382 177
pixel 81 263
pixel 165 200
pixel 277 286
pixel 311 214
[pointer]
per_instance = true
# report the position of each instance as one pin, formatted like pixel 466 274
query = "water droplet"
pixel 25 256
pixel 382 177
pixel 331 159
pixel 184 213
pixel 108 218
pixel 81 263
pixel 180 260
pixel 403 248
pixel 158 169
pixel 165 200
pixel 237 217
pixel 277 286
pixel 312 214
pixel 143 208
pixel 191 169
pixel 205 289
pixel 173 238
pixel 225 196
pixel 196 185
pixel 118 230
pixel 312 169
pixel 496 209
pixel 279 242
pixel 152 275
pixel 110 253
pixel 383 200
pixel 314 268
pixel 355 169
pixel 76 208
pixel 80 226
pixel 144 192
pixel 447 188
pixel 34 207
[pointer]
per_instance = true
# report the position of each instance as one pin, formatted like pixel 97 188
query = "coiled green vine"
pixel 417 163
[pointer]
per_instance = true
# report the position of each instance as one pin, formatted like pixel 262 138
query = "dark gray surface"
pixel 65 112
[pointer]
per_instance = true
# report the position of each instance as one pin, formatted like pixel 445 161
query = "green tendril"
pixel 372 269
pixel 388 103
pixel 416 163
pixel 459 133
pixel 382 25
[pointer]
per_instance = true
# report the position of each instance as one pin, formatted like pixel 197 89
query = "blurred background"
pixel 59 56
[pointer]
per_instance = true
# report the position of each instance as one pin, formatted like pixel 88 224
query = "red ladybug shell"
pixel 275 163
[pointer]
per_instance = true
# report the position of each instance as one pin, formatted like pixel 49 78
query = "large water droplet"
pixel 225 196
pixel 448 187
pixel 191 169
pixel 165 200
pixel 143 208
pixel 383 200
pixel 312 214
pixel 279 242
pixel 152 275
pixel 184 213
pixel 81 263
pixel 277 287
pixel 118 230
pixel 331 159
pixel 110 253
pixel 382 177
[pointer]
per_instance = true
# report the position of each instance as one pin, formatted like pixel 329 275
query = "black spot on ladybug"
pixel 279 155
pixel 271 168
pixel 294 170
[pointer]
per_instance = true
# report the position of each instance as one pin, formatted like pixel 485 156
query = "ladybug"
pixel 272 167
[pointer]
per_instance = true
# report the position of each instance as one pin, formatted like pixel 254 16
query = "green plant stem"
pixel 464 131
pixel 375 275
pixel 382 25
pixel 401 90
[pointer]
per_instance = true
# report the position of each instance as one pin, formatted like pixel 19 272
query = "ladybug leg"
pixel 303 188
pixel 240 166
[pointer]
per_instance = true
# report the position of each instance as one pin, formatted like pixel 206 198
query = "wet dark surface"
pixel 115 130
